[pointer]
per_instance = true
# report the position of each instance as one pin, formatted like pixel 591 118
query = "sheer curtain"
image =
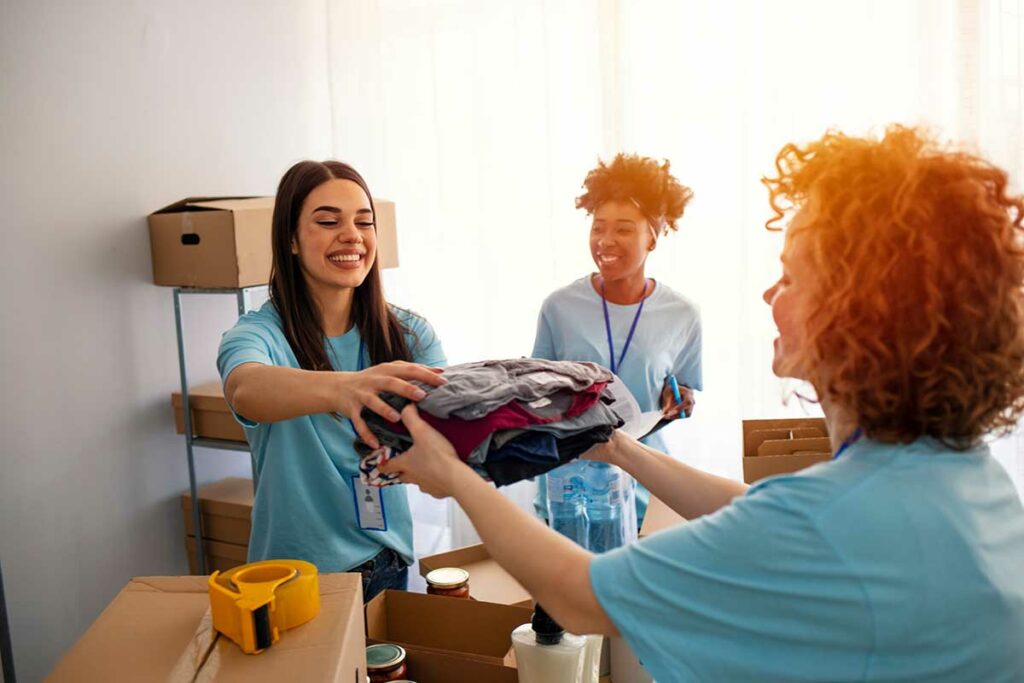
pixel 480 120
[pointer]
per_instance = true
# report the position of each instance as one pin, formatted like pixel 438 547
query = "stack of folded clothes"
pixel 509 419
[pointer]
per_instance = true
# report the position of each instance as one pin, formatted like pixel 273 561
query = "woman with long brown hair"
pixel 299 371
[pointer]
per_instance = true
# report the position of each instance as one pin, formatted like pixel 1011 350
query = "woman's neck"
pixel 628 290
pixel 841 424
pixel 335 306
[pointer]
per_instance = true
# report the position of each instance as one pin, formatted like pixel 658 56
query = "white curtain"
pixel 480 120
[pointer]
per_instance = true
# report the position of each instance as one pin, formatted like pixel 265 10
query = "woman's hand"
pixel 358 389
pixel 431 463
pixel 670 408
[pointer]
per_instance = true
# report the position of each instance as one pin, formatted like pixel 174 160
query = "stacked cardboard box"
pixel 158 629
pixel 782 446
pixel 226 510
pixel 211 416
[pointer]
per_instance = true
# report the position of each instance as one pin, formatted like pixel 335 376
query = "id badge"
pixel 369 506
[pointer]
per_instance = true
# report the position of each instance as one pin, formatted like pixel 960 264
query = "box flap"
pixel 819 444
pixel 427 666
pixel 235 204
pixel 759 467
pixel 187 202
pixel 659 516
pixel 479 630
pixel 783 428
pixel 487 580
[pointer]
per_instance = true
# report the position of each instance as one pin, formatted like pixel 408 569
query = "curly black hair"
pixel 640 180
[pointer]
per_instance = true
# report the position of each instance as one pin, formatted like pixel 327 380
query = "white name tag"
pixel 369 506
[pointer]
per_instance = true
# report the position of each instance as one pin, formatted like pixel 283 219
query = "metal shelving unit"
pixel 243 296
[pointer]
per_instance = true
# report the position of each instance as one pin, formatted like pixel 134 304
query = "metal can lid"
pixel 384 656
pixel 447 577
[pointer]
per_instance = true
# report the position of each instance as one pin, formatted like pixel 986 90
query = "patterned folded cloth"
pixel 369 468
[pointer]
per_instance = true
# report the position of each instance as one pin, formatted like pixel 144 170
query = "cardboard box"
pixel 659 516
pixel 226 241
pixel 211 416
pixel 464 629
pixel 437 667
pixel 219 556
pixel 226 510
pixel 158 629
pixel 772 447
pixel 487 580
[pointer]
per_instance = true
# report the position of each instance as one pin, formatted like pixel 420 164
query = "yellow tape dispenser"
pixel 253 603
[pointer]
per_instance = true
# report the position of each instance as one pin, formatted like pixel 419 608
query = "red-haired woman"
pixel 901 302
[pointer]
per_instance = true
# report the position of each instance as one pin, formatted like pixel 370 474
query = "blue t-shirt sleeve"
pixel 728 595
pixel 425 345
pixel 243 343
pixel 543 343
pixel 688 370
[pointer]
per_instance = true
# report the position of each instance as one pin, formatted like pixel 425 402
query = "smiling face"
pixel 620 239
pixel 792 299
pixel 335 240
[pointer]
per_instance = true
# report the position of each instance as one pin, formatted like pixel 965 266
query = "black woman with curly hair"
pixel 644 331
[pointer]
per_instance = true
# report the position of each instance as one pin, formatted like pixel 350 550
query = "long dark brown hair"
pixel 380 329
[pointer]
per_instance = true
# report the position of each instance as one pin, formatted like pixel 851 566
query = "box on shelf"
pixel 464 629
pixel 782 446
pixel 219 556
pixel 226 510
pixel 158 629
pixel 487 580
pixel 211 416
pixel 225 242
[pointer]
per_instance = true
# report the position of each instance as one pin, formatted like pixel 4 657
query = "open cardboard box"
pixel 659 516
pixel 772 447
pixel 469 630
pixel 225 242
pixel 158 629
pixel 211 416
pixel 488 582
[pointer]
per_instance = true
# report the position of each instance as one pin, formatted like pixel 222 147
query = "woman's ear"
pixel 295 247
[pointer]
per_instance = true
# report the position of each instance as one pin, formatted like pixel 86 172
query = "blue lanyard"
pixel 360 367
pixel 850 440
pixel 632 328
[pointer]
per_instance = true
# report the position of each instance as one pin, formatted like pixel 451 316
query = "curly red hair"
pixel 918 327
pixel 633 178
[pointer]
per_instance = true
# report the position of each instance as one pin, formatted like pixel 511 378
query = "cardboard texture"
pixel 219 556
pixel 659 516
pixel 158 629
pixel 488 582
pixel 772 447
pixel 437 667
pixel 211 416
pixel 225 507
pixel 225 242
pixel 468 629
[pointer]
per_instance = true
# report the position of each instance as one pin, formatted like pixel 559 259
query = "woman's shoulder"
pixel 574 291
pixel 670 299
pixel 414 322
pixel 264 321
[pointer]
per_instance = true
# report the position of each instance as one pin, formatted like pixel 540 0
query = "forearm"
pixel 553 569
pixel 267 393
pixel 687 490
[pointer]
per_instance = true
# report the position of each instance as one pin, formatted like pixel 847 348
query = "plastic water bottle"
pixel 611 507
pixel 567 505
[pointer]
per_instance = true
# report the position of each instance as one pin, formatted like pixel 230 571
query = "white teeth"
pixel 345 257
pixel 609 259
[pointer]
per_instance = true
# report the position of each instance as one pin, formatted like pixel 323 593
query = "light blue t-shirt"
pixel 305 507
pixel 892 563
pixel 667 341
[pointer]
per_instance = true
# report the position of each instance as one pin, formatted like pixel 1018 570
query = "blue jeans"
pixel 384 570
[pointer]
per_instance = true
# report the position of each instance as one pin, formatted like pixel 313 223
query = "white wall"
pixel 109 110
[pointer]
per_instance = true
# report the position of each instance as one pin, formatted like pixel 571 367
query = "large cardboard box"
pixel 211 416
pixel 225 242
pixel 783 446
pixel 157 629
pixel 487 580
pixel 226 510
pixel 463 629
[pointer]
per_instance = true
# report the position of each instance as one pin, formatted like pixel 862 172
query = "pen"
pixel 675 388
